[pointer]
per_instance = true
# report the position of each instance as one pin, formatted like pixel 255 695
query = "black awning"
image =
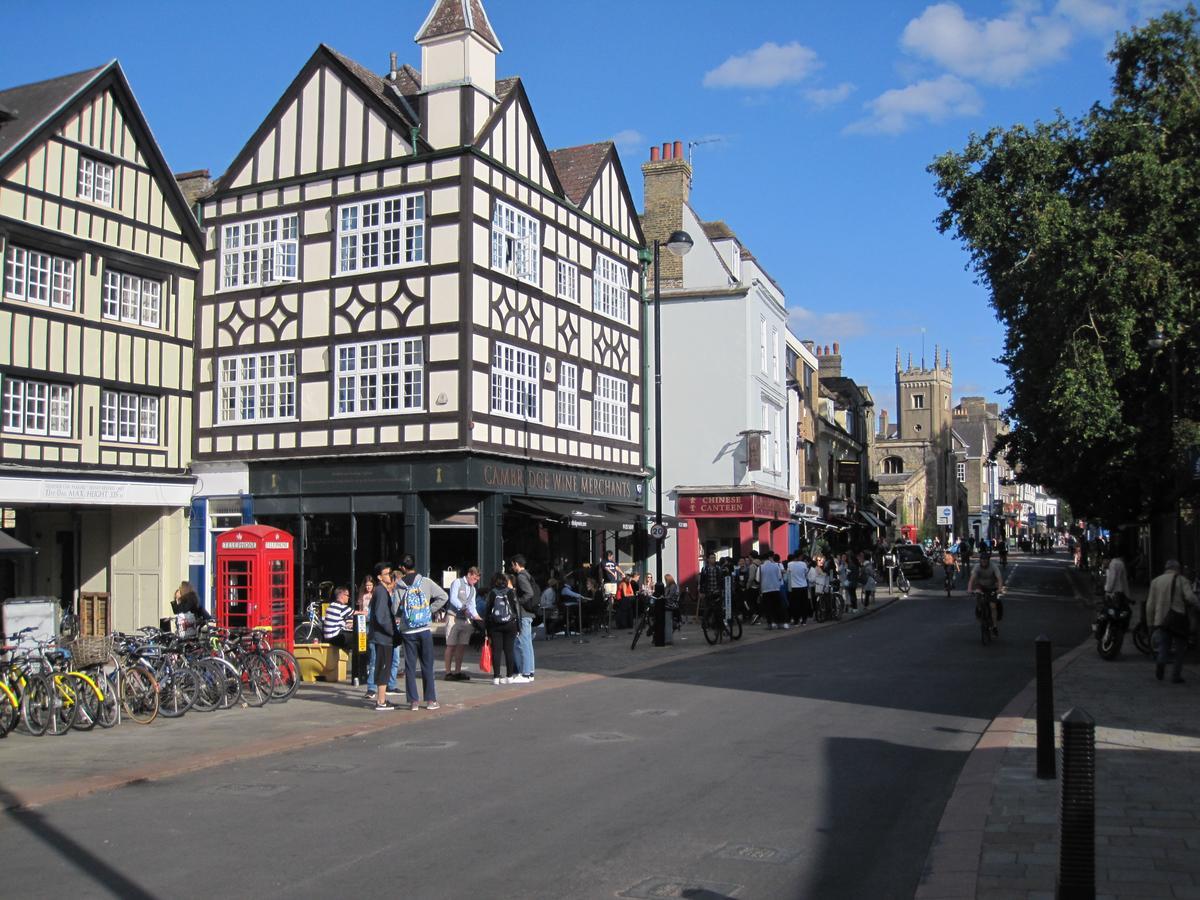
pixel 591 516
pixel 10 547
pixel 870 519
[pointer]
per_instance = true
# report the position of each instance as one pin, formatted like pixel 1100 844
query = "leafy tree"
pixel 1086 233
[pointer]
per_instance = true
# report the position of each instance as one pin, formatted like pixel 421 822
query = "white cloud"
pixel 1094 15
pixel 629 139
pixel 825 97
pixel 769 66
pixel 826 327
pixel 937 100
pixel 995 51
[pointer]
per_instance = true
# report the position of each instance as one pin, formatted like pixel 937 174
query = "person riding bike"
pixel 950 565
pixel 1002 548
pixel 987 579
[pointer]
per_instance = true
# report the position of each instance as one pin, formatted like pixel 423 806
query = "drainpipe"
pixel 645 257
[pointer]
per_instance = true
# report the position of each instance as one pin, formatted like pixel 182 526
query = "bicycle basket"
pixel 89 651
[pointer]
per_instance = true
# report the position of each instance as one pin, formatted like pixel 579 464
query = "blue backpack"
pixel 414 605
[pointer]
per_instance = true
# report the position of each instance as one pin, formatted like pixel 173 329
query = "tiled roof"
pixel 505 86
pixel 718 231
pixel 383 89
pixel 897 478
pixel 577 167
pixel 452 16
pixel 975 436
pixel 32 104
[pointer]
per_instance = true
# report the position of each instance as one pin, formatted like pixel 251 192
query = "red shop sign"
pixel 732 505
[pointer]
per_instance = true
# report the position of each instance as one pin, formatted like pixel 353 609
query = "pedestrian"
pixel 712 583
pixel 549 609
pixel 623 602
pixel 800 607
pixel 611 573
pixel 381 634
pixel 415 598
pixel 528 600
pixel 852 579
pixel 754 587
pixel 1116 578
pixel 1167 607
pixel 337 629
pixel 463 621
pixel 671 599
pixel 501 619
pixel 366 593
pixel 866 572
pixel 187 610
pixel 770 574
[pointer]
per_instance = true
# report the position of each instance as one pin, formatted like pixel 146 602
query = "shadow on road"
pixel 71 851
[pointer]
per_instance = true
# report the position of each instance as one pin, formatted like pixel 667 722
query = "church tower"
pixel 458 71
pixel 923 408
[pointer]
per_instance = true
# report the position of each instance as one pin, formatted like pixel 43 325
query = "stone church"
pixel 914 458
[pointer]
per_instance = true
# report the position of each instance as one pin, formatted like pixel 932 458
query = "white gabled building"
pixel 419 329
pixel 99 252
pixel 727 440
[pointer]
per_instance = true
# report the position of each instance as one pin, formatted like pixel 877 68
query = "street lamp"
pixel 679 243
pixel 1157 342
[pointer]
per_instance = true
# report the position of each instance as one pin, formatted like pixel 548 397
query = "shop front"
pixel 448 514
pixel 731 523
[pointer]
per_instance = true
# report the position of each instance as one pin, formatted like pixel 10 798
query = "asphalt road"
pixel 813 766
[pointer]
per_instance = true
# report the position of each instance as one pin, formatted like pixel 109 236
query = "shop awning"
pixel 870 519
pixel 10 547
pixel 884 509
pixel 814 521
pixel 592 516
pixel 668 520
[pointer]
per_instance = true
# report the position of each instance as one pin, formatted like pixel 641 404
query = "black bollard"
pixel 1045 708
pixel 1077 818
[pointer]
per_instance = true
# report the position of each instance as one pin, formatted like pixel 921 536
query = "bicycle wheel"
pixel 712 629
pixel 64 705
pixel 139 694
pixel 734 628
pixel 256 680
pixel 903 584
pixel 10 710
pixel 637 633
pixel 177 691
pixel 307 633
pixel 285 675
pixel 37 704
pixel 86 699
pixel 208 693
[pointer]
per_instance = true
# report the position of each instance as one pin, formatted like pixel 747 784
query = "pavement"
pixel 47 770
pixel 999 835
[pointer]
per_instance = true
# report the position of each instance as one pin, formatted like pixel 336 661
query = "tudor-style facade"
pixel 99 256
pixel 416 319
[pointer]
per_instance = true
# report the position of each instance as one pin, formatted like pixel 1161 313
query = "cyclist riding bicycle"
pixel 950 563
pixel 987 579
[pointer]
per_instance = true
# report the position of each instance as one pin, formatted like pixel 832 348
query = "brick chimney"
pixel 667 182
pixel 830 363
pixel 883 424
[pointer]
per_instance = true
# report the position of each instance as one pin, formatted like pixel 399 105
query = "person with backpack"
pixel 500 616
pixel 528 603
pixel 414 600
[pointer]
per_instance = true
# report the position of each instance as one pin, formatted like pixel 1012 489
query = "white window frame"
pixel 131 298
pixel 775 354
pixel 379 377
pixel 960 469
pixel 381 233
pixel 39 277
pixel 128 418
pixel 777 439
pixel 36 408
pixel 567 281
pixel 610 407
pixel 516 390
pixel 96 180
pixel 251 382
pixel 567 399
pixel 516 243
pixel 762 344
pixel 258 252
pixel 767 439
pixel 918 401
pixel 610 288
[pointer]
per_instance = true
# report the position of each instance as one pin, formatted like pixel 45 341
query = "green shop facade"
pixel 449 514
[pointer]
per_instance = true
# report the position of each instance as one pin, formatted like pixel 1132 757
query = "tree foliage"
pixel 1085 233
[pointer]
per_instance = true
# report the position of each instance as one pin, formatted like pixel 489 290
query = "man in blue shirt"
pixel 770 579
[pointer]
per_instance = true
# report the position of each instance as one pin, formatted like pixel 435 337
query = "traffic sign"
pixel 945 515
pixel 658 531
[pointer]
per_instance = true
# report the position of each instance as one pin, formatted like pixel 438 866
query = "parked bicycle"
pixel 718 622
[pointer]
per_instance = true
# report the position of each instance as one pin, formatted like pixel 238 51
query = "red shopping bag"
pixel 485 658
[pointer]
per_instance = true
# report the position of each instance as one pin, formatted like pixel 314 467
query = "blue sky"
pixel 817 119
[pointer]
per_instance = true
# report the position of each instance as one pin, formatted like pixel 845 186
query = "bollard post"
pixel 1045 708
pixel 1077 818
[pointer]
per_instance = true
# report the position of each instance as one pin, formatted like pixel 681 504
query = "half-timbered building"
pixel 99 256
pixel 420 328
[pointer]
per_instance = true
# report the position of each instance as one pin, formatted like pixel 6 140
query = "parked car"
pixel 914 562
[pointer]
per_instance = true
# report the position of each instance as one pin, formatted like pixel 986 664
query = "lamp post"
pixel 679 243
pixel 1157 342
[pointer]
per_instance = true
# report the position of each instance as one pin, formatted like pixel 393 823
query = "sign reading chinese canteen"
pixel 740 505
